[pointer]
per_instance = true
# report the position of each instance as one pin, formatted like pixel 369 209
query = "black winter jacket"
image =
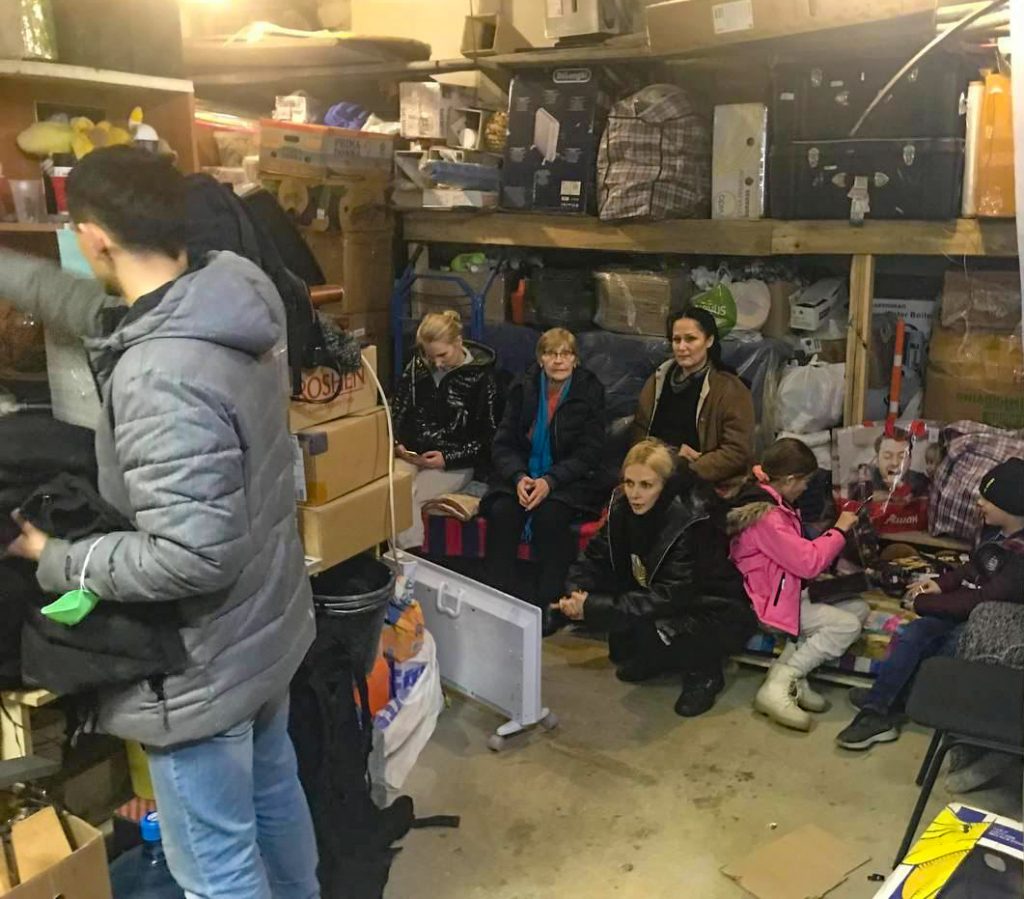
pixel 457 417
pixel 684 572
pixel 577 442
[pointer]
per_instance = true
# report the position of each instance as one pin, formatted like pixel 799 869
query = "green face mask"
pixel 71 608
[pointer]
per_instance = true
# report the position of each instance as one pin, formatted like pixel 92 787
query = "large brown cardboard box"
pixel 692 24
pixel 358 393
pixel 344 455
pixel 312 151
pixel 360 261
pixel 978 375
pixel 355 522
pixel 48 865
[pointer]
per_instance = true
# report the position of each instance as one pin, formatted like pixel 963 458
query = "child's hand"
pixel 928 585
pixel 846 521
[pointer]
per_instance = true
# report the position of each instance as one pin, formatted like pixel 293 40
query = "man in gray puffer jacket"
pixel 193 447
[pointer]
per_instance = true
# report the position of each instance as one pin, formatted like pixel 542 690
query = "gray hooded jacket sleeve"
pixel 183 469
pixel 62 300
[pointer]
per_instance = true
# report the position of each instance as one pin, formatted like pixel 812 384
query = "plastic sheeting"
pixel 624 362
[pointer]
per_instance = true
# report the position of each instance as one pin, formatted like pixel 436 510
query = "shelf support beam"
pixel 858 337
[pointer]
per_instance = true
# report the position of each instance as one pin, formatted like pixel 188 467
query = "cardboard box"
pixel 965 851
pixel 437 296
pixel 738 161
pixel 49 866
pixel 693 24
pixel 490 34
pixel 456 198
pixel 314 151
pixel 333 203
pixel 355 522
pixel 343 455
pixel 981 299
pixel 555 122
pixel 360 261
pixel 431 110
pixel 358 393
pixel 977 376
pixel 638 302
pixel 812 307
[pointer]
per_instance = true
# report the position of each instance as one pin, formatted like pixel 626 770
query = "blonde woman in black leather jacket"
pixel 445 413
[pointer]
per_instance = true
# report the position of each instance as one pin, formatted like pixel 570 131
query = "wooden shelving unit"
pixel 167 103
pixel 954 239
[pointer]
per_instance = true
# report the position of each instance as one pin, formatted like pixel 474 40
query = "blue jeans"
pixel 233 816
pixel 919 640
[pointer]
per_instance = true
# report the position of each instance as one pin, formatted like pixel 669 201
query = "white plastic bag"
pixel 402 728
pixel 810 397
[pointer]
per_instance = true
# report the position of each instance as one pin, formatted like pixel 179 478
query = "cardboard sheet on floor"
pixel 809 862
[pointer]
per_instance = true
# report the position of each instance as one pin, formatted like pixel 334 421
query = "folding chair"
pixel 967 704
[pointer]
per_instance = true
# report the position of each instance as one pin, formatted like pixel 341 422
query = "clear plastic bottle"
pixel 141 873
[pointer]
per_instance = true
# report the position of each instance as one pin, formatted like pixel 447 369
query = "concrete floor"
pixel 625 799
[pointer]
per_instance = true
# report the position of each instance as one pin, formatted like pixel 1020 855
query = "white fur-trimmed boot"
pixel 777 698
pixel 809 699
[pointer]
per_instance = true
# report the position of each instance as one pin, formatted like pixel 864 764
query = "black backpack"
pixel 261 232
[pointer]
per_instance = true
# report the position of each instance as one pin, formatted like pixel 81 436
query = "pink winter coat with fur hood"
pixel 770 551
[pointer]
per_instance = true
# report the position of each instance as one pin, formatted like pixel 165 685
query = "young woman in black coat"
pixel 444 412
pixel 659 580
pixel 546 460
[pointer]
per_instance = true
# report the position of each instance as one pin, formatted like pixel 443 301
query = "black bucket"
pixel 351 601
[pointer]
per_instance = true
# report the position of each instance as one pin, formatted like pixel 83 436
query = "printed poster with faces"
pixel 887 466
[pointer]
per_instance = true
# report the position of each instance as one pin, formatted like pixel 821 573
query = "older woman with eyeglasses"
pixel 547 465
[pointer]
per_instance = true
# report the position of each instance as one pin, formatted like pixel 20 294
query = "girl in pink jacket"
pixel 770 551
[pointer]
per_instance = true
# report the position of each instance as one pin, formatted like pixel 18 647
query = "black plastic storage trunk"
pixel 905 179
pixel 823 101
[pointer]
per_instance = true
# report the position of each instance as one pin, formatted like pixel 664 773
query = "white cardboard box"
pixel 738 161
pixel 431 110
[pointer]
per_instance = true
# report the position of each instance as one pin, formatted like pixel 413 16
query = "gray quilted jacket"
pixel 193 447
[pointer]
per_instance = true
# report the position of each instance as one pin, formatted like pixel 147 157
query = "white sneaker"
pixel 777 698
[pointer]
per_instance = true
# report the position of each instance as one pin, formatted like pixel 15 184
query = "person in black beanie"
pixel 994 573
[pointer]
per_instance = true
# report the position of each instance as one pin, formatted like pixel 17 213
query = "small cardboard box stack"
pixel 47 863
pixel 344 502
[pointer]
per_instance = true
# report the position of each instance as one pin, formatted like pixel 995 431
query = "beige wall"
pixel 439 22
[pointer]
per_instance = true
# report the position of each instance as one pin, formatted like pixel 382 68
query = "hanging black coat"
pixel 456 417
pixel 117 643
pixel 680 572
pixel 577 442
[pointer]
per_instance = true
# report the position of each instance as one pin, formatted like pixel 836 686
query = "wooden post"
pixel 858 338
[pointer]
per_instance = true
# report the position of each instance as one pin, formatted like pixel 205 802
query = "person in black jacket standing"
pixel 547 468
pixel 659 580
pixel 445 413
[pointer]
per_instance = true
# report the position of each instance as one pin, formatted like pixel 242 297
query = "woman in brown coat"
pixel 698 405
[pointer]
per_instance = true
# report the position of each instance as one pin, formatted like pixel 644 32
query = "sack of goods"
pixel 654 161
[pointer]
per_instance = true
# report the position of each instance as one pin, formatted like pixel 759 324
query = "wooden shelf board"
pixel 31 227
pixel 29 70
pixel 585 233
pixel 963 237
pixel 923 538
